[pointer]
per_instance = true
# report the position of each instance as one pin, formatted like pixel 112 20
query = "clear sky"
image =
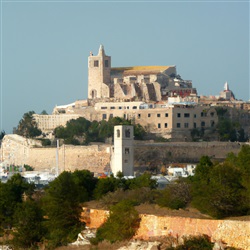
pixel 45 47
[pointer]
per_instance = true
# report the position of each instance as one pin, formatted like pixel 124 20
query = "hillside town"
pixel 180 135
pixel 155 97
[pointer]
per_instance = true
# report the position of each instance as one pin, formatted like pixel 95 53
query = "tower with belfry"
pixel 123 154
pixel 99 79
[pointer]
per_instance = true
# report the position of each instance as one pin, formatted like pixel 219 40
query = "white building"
pixel 182 171
pixel 122 159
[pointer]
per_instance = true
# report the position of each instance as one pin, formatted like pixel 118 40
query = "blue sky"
pixel 45 47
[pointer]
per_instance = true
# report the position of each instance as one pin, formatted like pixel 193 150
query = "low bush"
pixel 195 243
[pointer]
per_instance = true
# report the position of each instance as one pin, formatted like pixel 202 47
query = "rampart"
pixel 234 233
pixel 148 154
pixel 16 150
pixel 93 157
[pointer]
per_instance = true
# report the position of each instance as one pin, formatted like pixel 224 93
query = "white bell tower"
pixel 123 154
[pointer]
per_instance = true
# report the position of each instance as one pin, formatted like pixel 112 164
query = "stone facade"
pixel 162 154
pixel 173 121
pixel 169 121
pixel 47 123
pixel 146 83
pixel 145 94
pixel 139 93
pixel 233 233
pixel 16 150
pixel 99 81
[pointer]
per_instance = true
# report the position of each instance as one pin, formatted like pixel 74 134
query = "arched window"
pixel 118 133
pixel 93 93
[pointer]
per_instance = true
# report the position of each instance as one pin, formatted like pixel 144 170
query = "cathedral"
pixel 134 83
pixel 155 97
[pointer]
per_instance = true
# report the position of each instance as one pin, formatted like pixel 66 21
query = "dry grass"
pixel 155 210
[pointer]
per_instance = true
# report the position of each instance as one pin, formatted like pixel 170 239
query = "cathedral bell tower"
pixel 123 154
pixel 99 79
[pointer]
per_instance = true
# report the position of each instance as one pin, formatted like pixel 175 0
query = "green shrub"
pixel 28 167
pixel 46 142
pixel 202 242
pixel 121 224
pixel 175 196
pixel 136 196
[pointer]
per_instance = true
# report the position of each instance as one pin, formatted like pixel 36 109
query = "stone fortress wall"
pixel 17 150
pixel 180 152
pixel 235 233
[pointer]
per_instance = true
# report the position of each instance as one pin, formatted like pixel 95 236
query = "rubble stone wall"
pixel 182 151
pixel 233 233
pixel 16 150
pixel 93 157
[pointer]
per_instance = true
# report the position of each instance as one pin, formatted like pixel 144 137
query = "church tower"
pixel 99 79
pixel 123 155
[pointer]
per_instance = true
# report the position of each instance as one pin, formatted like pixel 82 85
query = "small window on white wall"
pixel 118 133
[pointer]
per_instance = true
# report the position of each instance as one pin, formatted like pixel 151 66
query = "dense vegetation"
pixel 81 131
pixel 52 217
pixel 217 189
pixel 77 131
pixel 229 130
pixel 27 126
pixel 121 225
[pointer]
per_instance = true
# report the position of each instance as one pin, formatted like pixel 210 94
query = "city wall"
pixel 16 150
pixel 234 233
pixel 148 154
pixel 95 158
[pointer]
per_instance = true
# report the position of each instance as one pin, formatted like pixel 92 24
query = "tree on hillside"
pixel 44 112
pixel 143 180
pixel 139 132
pixel 61 205
pixel 105 186
pixel 242 163
pixel 121 225
pixel 93 132
pixel 217 189
pixel 11 194
pixel 29 228
pixel 86 182
pixel 27 126
pixel 82 131
pixel 229 130
pixel 243 160
pixel 61 132
pixel 227 194
pixel 203 168
pixel 175 195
